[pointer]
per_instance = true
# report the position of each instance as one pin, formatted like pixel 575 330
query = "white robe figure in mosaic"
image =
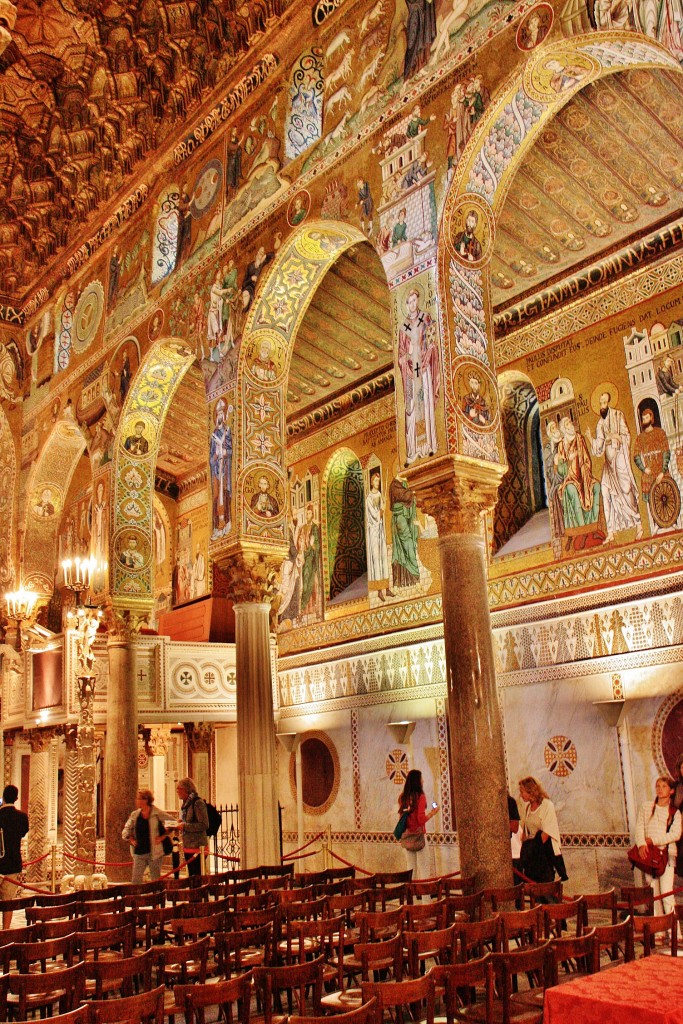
pixel 619 491
pixel 375 535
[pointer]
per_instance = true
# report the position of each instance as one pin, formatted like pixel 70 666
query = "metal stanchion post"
pixel 202 859
pixel 53 879
pixel 328 848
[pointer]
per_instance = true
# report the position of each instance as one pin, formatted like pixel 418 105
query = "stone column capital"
pixel 253 574
pixel 124 622
pixel 71 737
pixel 199 736
pixel 156 741
pixel 39 739
pixel 8 17
pixel 457 492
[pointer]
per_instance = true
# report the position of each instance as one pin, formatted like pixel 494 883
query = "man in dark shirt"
pixel 14 826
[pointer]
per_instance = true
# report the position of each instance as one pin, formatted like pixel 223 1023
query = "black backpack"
pixel 215 820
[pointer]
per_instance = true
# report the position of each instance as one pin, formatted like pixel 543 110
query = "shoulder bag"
pixel 413 841
pixel 401 825
pixel 654 863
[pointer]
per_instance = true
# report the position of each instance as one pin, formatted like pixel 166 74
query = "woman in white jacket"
pixel 659 824
pixel 144 830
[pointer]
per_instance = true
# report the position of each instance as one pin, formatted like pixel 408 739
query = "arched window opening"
pixel 346 551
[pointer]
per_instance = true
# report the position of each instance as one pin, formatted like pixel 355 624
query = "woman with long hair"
pixel 659 824
pixel 678 804
pixel 541 848
pixel 414 802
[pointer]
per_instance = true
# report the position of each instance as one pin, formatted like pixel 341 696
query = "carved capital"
pixel 39 739
pixel 253 575
pixel 8 17
pixel 457 492
pixel 199 736
pixel 71 737
pixel 156 741
pixel 86 696
pixel 125 622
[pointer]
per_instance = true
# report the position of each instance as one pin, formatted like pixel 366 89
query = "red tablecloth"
pixel 647 991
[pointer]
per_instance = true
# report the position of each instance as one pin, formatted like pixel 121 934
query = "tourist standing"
pixel 413 801
pixel 145 830
pixel 194 821
pixel 14 826
pixel 659 824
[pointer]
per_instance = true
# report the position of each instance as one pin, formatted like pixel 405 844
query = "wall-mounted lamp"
pixel 401 731
pixel 21 605
pixel 611 710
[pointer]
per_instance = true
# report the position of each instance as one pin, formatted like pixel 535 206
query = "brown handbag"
pixel 413 841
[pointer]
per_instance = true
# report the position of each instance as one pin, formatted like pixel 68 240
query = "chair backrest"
pixel 596 901
pixel 430 887
pixel 359 899
pixel 475 938
pixel 144 1008
pixel 617 939
pixel 183 963
pixel 524 926
pixel 461 903
pixel 326 935
pixel 65 986
pixel 460 884
pixel 231 947
pixel 296 978
pixel 536 962
pixel 385 894
pixel 78 1016
pixel 17 903
pixel 364 1014
pixel 59 912
pixel 440 943
pixel 556 916
pixel 273 884
pixel 633 896
pixel 508 895
pixel 46 930
pixel 25 933
pixel 394 877
pixel 647 927
pixel 56 950
pixel 123 971
pixel 537 892
pixel 101 921
pixel 384 955
pixel 377 924
pixel 432 915
pixel 54 899
pixel 257 918
pixel 460 983
pixel 576 953
pixel 110 938
pixel 196 998
pixel 400 995
pixel 303 910
pixel 274 870
pixel 109 906
pixel 193 927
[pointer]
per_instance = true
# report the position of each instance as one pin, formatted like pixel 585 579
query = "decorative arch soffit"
pixel 511 125
pixel 265 356
pixel 45 498
pixel 8 470
pixel 137 444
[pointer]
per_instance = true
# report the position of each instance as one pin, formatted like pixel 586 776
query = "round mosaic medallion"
pixel 560 756
pixel 397 766
pixel 88 315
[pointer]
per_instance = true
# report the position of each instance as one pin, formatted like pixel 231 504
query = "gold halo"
pixel 602 387
pixel 413 286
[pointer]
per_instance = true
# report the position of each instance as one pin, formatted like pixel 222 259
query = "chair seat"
pixel 342 1002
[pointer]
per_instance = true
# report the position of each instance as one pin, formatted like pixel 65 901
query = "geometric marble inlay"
pixel 560 756
pixel 397 766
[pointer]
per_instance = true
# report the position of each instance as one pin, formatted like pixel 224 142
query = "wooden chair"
pixel 542 892
pixel 363 1014
pixel 366 882
pixel 377 924
pixel 37 991
pixel 17 904
pixel 189 928
pixel 47 930
pixel 575 955
pixel 54 899
pixel 439 945
pixel 154 924
pixel 647 928
pixel 400 996
pixel 195 999
pixel 386 897
pixel 238 951
pixel 275 884
pixel 537 964
pixel 95 907
pixel 295 980
pixel 367 958
pixel 181 964
pixel 459 885
pixel 521 926
pixel 347 905
pixel 556 916
pixel 145 1008
pixel 25 933
pixel 44 957
pixel 614 939
pixel 506 894
pixel 632 897
pixel 106 944
pixel 394 877
pixel 35 915
pixel 425 916
pixel 463 906
pixel 476 938
pixel 346 874
pixel 276 870
pixel 125 976
pixel 460 984
pixel 78 1016
pixel 427 888
pixel 597 905
pixel 111 919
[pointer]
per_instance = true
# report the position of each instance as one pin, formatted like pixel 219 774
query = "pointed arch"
pixel 46 494
pixel 263 369
pixel 343 521
pixel 8 474
pixel 533 95
pixel 138 436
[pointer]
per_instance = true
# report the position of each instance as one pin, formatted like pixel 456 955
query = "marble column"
pixel 458 496
pixel 39 767
pixel 86 819
pixel 70 798
pixel 200 739
pixel 121 747
pixel 156 748
pixel 253 585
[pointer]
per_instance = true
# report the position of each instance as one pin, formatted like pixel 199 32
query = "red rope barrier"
pixel 24 885
pixel 99 863
pixel 293 853
pixel 28 863
pixel 311 853
pixel 349 864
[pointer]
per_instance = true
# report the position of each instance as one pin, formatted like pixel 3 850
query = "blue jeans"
pixel 142 861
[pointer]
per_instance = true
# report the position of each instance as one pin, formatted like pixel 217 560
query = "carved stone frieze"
pixel 456 492
pixel 8 17
pixel 124 623
pixel 156 741
pixel 70 737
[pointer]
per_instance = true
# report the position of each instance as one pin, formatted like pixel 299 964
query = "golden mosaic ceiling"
pixel 608 168
pixel 345 336
pixel 183 450
pixel 90 89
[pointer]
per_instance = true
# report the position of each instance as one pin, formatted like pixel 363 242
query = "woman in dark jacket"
pixel 194 821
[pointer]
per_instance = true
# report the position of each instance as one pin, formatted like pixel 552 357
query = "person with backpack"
pixel 194 822
pixel 13 826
